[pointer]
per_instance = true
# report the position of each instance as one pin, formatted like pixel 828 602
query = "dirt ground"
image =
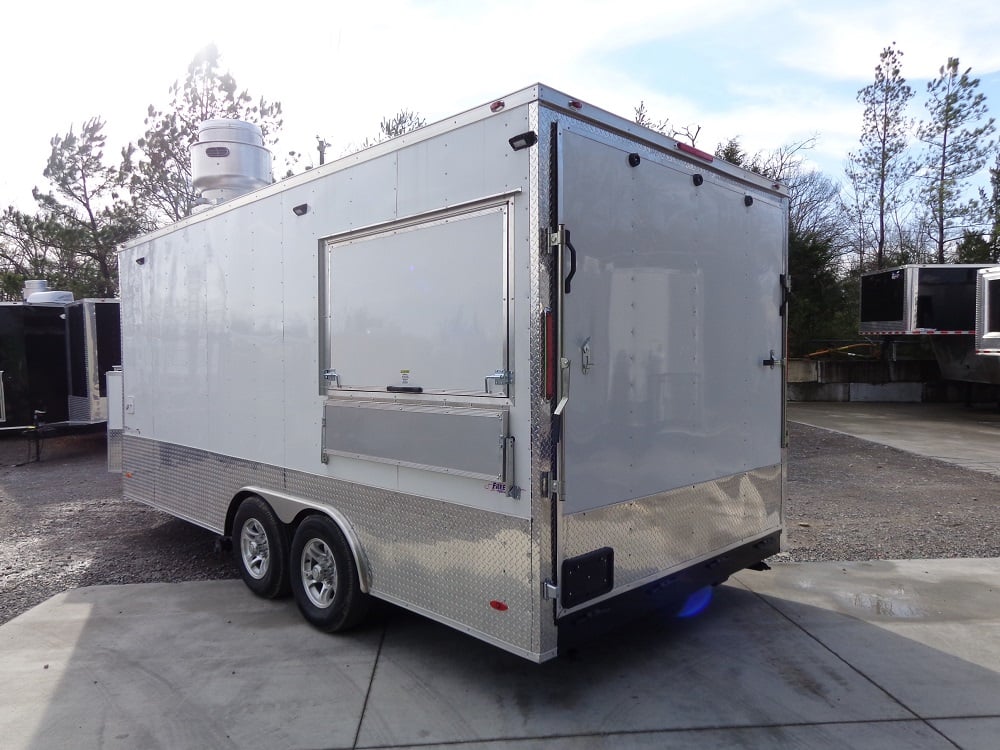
pixel 64 524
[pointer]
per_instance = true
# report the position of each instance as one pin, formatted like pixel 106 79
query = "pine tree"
pixel 880 169
pixel 956 138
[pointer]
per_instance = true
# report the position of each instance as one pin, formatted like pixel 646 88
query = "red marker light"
pixel 498 606
pixel 695 152
pixel 575 104
pixel 497 106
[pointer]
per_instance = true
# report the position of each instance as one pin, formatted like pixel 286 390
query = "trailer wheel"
pixel 325 577
pixel 262 542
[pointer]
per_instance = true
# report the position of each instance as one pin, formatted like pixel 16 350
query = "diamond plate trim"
pixel 443 560
pixel 79 409
pixel 655 534
pixel 115 451
pixel 541 197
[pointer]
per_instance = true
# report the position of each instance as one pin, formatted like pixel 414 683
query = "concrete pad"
pixel 914 735
pixel 926 632
pixel 969 437
pixel 192 665
pixel 808 655
pixel 740 664
pixel 971 734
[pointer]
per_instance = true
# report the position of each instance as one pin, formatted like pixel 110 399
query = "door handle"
pixel 586 361
pixel 772 361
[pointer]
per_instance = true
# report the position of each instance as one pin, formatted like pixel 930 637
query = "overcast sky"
pixel 770 72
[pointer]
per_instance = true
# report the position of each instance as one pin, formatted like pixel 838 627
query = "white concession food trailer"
pixel 498 370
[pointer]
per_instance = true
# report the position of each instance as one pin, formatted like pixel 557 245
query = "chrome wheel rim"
pixel 319 573
pixel 254 549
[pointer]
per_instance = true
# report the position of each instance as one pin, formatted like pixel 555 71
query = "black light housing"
pixel 524 140
pixel 301 210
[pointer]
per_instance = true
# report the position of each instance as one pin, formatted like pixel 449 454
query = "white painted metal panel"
pixel 677 299
pixel 175 280
pixel 421 306
pixel 115 403
pixel 465 163
pixel 245 324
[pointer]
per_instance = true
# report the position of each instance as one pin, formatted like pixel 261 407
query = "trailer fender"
pixel 288 508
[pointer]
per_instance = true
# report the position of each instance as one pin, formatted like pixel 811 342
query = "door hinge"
pixel 550 591
pixel 331 376
pixel 786 291
pixel 555 488
pixel 557 238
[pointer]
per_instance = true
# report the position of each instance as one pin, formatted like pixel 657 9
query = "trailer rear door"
pixel 668 323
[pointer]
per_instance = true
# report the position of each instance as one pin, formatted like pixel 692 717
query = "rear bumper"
pixel 664 597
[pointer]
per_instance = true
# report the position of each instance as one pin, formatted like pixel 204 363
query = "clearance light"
pixel 497 106
pixel 575 104
pixel 498 606
pixel 524 140
pixel 695 152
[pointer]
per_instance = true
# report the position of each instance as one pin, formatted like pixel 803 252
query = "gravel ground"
pixel 63 523
pixel 850 499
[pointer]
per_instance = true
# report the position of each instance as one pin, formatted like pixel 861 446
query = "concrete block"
pixel 802 371
pixel 818 392
pixel 896 392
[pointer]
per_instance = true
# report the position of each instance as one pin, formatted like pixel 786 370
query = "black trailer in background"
pixel 33 363
pixel 53 362
pixel 920 299
pixel 934 300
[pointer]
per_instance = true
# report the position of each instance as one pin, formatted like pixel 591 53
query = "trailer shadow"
pixel 208 665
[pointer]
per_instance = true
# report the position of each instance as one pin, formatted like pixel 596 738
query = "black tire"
pixel 260 542
pixel 324 576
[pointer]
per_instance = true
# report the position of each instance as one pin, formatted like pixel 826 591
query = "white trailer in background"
pixel 498 371
pixel 988 311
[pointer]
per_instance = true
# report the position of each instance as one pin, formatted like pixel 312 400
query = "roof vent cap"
pixel 229 160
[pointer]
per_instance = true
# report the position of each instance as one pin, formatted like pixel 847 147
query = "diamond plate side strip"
pixel 115 451
pixel 443 560
pixel 654 535
pixel 541 197
pixel 79 408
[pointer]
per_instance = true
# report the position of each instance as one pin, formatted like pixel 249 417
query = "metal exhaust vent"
pixel 229 160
